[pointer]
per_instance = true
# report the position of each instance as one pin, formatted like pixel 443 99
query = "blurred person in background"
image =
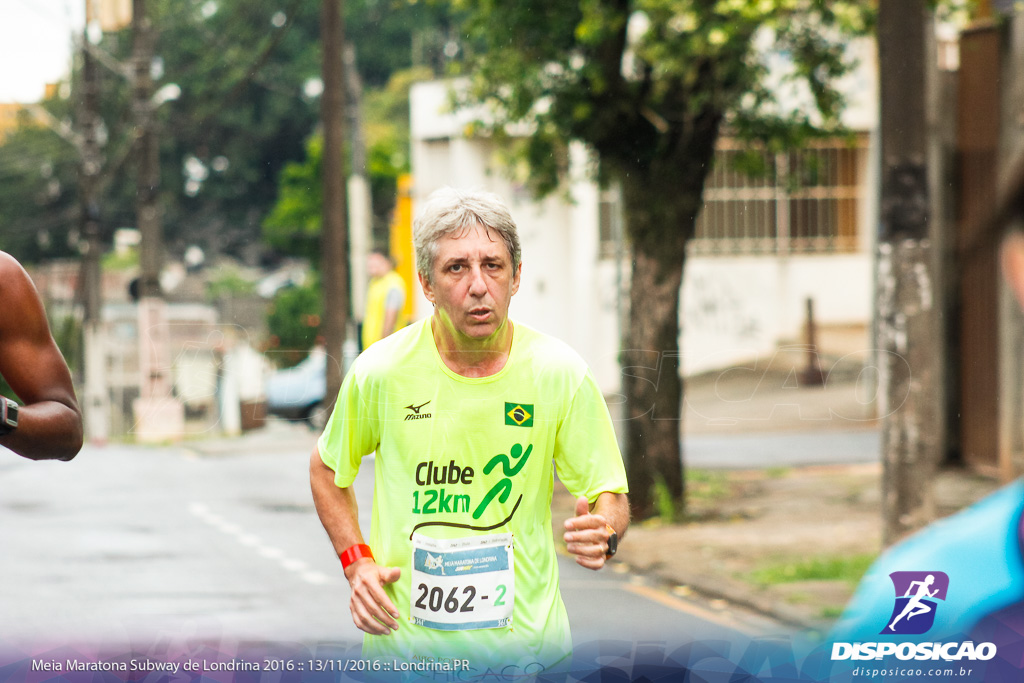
pixel 48 423
pixel 385 299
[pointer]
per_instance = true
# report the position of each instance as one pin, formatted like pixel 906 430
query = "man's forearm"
pixel 48 430
pixel 614 507
pixel 336 507
pixel 372 610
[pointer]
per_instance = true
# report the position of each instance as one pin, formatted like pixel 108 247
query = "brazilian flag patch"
pixel 519 414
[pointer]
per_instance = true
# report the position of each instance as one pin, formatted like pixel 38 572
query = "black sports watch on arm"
pixel 613 542
pixel 8 415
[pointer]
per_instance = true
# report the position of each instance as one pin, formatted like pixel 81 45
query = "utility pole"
pixel 96 404
pixel 906 315
pixel 147 150
pixel 158 414
pixel 334 239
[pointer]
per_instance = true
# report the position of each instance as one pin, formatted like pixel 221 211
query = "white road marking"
pixel 296 566
pixel 250 540
pixel 316 578
pixel 270 553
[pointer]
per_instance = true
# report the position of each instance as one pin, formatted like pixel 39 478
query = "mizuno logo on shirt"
pixel 416 414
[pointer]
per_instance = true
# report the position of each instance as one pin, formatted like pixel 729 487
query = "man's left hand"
pixel 586 536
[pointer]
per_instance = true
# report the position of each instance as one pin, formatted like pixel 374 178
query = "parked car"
pixel 298 393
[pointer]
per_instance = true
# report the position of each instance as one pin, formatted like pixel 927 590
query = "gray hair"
pixel 448 211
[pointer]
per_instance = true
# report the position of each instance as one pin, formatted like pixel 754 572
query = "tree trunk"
pixel 658 223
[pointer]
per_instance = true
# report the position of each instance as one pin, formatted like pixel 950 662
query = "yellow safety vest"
pixel 376 307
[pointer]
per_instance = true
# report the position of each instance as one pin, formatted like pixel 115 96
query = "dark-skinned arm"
pixel 50 420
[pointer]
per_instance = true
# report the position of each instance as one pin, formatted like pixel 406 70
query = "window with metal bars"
pixel 806 201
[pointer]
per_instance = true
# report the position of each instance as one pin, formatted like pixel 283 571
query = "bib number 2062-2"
pixel 462 584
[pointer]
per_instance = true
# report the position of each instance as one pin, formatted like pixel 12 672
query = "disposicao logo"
pixel 917 596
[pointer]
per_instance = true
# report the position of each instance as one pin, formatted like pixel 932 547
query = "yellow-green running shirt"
pixel 465 466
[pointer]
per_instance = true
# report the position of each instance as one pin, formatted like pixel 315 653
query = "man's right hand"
pixel 372 610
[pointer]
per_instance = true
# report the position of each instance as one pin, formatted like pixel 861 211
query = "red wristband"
pixel 353 553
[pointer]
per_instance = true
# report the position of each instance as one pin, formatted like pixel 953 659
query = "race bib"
pixel 462 584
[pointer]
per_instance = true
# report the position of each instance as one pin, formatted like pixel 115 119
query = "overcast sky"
pixel 35 45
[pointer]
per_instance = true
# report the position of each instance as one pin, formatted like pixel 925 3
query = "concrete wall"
pixel 734 308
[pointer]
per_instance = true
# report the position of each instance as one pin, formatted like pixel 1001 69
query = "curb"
pixel 733 593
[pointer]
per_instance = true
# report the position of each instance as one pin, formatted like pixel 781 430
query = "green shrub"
pixel 294 323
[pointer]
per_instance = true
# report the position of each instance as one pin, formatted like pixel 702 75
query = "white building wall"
pixel 734 309
pixel 594 308
pixel 738 309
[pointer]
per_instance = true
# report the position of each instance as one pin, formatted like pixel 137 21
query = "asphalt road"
pixel 783 449
pixel 219 541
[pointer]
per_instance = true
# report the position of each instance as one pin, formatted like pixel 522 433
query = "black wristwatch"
pixel 8 415
pixel 613 542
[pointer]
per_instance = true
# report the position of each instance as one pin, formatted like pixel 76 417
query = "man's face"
pixel 472 282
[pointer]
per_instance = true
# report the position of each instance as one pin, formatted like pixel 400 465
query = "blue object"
pixel 979 549
pixel 298 393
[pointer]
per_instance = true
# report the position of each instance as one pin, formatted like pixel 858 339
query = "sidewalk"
pixel 783 497
pixel 778 542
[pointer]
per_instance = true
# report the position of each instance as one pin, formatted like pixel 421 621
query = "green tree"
pixel 393 35
pixel 247 72
pixel 242 116
pixel 649 86
pixel 293 225
pixel 38 198
pixel 243 113
pixel 294 321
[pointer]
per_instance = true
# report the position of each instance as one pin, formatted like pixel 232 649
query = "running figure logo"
pixel 916 595
pixel 435 562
